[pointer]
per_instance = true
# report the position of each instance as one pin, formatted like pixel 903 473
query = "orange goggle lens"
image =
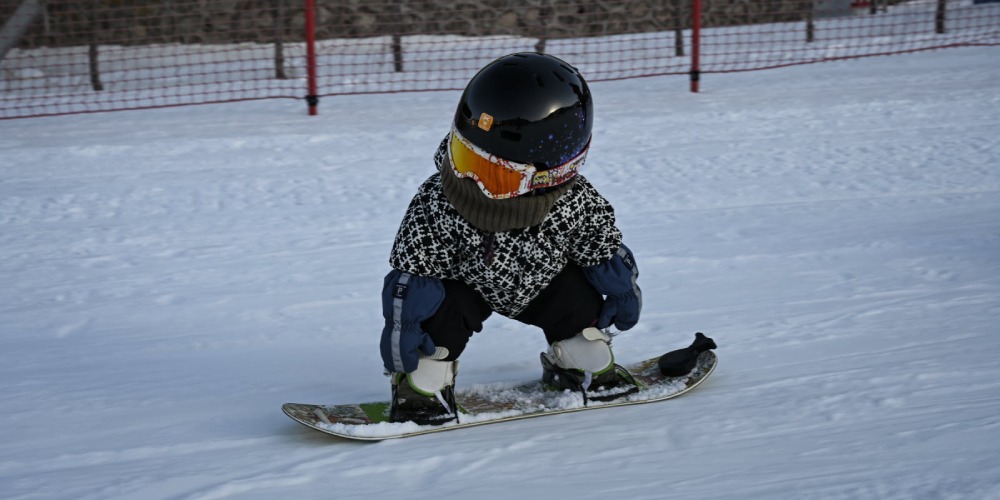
pixel 499 178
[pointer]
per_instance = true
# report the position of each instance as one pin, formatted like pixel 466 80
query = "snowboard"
pixel 483 404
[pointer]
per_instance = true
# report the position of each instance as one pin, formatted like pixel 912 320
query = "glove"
pixel 615 278
pixel 407 300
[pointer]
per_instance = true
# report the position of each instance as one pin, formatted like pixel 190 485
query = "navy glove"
pixel 615 278
pixel 407 300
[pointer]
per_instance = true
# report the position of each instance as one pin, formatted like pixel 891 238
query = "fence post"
pixel 397 19
pixel 93 55
pixel 279 39
pixel 810 22
pixel 18 23
pixel 695 45
pixel 939 16
pixel 93 67
pixel 544 11
pixel 312 99
pixel 397 52
pixel 675 9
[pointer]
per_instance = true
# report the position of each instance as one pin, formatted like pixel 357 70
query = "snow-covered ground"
pixel 171 277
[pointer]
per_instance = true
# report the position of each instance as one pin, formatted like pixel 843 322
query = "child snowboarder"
pixel 507 225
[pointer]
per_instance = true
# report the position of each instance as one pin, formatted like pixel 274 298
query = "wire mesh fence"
pixel 60 56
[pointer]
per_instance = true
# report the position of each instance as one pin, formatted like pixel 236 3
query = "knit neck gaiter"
pixel 492 215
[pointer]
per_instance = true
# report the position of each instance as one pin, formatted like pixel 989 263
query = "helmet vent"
pixel 539 81
pixel 571 71
pixel 510 136
pixel 561 79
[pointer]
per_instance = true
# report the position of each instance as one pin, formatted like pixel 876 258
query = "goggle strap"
pixel 559 174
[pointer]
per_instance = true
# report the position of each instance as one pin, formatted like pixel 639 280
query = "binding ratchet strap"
pixel 624 376
pixel 444 402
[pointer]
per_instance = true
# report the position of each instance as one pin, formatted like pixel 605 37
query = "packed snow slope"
pixel 171 277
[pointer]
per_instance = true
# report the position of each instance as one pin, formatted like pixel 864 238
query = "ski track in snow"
pixel 171 277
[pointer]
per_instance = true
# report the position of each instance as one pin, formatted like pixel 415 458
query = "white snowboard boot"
pixel 585 364
pixel 426 395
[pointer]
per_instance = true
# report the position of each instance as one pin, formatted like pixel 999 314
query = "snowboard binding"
pixel 409 405
pixel 614 383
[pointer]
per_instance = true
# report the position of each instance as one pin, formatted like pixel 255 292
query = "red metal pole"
pixel 311 98
pixel 695 45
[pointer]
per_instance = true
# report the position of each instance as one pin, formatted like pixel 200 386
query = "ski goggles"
pixel 501 179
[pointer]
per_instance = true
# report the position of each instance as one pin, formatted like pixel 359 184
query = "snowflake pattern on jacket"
pixel 508 268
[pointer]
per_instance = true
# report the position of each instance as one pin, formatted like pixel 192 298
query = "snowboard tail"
pixel 492 403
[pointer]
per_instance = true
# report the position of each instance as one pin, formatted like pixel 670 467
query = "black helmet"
pixel 527 108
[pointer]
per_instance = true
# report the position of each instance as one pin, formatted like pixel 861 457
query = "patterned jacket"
pixel 509 268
